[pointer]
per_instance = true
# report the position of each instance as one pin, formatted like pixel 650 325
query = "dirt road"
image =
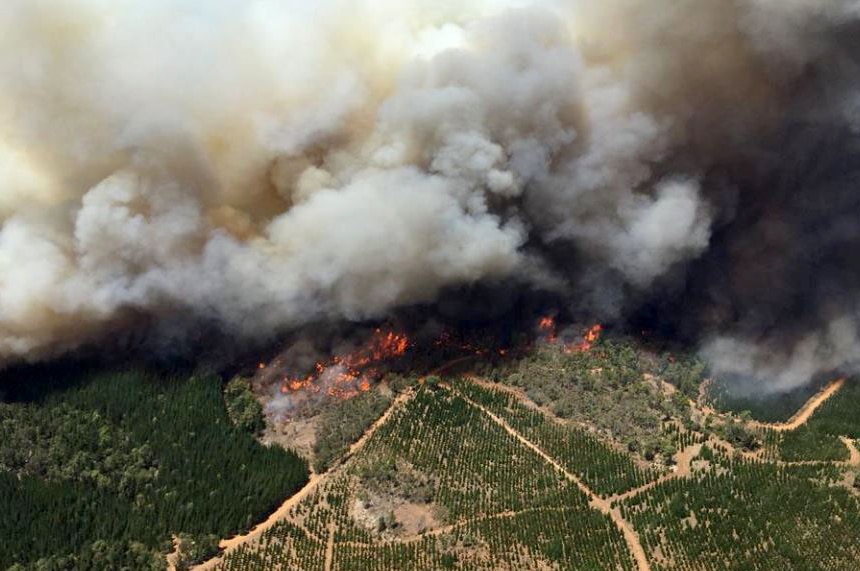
pixel 853 453
pixel 595 501
pixel 803 415
pixel 228 545
pixel 329 546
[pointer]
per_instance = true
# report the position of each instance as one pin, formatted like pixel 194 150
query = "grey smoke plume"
pixel 268 163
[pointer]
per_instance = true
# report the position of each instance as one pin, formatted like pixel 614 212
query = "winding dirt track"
pixel 853 453
pixel 803 415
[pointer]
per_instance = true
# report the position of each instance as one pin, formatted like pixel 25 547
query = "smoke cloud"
pixel 265 164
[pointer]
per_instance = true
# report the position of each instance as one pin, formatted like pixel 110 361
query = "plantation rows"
pixel 771 441
pixel 428 553
pixel 510 509
pixel 809 443
pixel 504 507
pixel 573 539
pixel 749 516
pixel 284 546
pixel 603 469
pixel 480 468
pixel 818 439
pixel 338 496
pixel 570 538
pixel 681 437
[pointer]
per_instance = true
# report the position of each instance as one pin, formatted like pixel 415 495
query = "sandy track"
pixel 329 546
pixel 803 415
pixel 683 468
pixel 853 453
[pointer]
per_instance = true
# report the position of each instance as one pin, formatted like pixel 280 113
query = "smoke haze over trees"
pixel 267 164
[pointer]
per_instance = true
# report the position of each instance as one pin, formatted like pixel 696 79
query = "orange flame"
pixel 451 341
pixel 548 327
pixel 346 376
pixel 591 336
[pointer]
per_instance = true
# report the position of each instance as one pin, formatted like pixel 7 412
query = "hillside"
pixel 467 473
pixel 611 456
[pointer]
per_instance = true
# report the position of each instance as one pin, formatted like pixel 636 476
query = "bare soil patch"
pixel 296 434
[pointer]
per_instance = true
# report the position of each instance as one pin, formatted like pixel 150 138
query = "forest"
pixel 100 469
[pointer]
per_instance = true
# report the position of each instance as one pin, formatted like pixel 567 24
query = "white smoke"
pixel 266 163
pixel 244 160
pixel 784 367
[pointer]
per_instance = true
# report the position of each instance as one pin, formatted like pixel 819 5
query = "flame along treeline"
pixel 348 375
pixel 345 376
pixel 548 327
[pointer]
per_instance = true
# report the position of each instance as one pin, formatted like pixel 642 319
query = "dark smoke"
pixel 687 164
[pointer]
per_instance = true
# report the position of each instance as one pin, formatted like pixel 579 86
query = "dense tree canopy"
pixel 107 466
